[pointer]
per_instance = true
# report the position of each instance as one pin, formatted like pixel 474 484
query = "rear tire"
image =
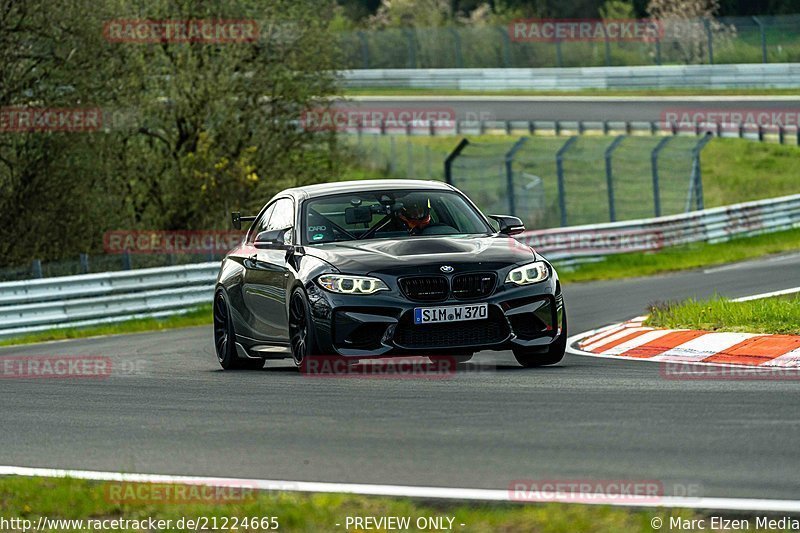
pixel 225 338
pixel 554 354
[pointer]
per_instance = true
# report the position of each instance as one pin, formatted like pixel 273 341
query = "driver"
pixel 415 213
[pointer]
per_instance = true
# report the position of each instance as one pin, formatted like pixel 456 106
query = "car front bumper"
pixel 381 324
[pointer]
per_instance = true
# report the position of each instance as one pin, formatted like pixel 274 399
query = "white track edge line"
pixel 767 295
pixel 499 495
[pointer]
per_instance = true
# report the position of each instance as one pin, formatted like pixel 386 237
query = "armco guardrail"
pixel 710 225
pixel 754 75
pixel 92 299
pixel 780 134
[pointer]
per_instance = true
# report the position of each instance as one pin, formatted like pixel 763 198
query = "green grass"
pixel 697 255
pixel 407 91
pixel 30 498
pixel 738 170
pixel 734 170
pixel 196 317
pixel 766 315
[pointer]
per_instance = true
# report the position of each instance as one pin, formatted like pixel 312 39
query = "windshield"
pixel 389 214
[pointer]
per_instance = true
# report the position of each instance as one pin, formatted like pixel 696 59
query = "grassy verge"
pixel 405 91
pixel 685 257
pixel 739 170
pixel 31 498
pixel 767 315
pixel 734 170
pixel 196 317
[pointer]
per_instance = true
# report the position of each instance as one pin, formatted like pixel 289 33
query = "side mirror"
pixel 275 238
pixel 509 225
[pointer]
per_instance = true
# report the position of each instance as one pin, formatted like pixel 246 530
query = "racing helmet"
pixel 416 212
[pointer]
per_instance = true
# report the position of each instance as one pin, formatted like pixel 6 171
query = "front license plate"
pixel 451 313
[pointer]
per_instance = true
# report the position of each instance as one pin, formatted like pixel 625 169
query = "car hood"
pixel 402 255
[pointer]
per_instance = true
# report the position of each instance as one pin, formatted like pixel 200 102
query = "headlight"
pixel 344 284
pixel 530 273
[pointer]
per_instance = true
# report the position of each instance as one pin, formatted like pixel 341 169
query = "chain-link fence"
pixel 397 156
pixel 548 181
pixel 552 181
pixel 480 168
pixel 767 39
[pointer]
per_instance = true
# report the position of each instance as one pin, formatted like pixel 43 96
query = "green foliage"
pixel 766 315
pixel 190 131
pixel 617 9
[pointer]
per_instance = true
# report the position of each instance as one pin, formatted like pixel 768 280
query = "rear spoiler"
pixel 237 219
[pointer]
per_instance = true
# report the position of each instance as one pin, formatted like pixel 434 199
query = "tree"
pixel 412 13
pixel 190 130
pixel 617 10
pixel 686 25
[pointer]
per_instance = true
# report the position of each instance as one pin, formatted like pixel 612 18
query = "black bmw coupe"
pixel 380 268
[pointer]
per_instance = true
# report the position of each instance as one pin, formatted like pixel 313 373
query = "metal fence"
pixel 85 263
pixel 765 39
pixel 93 299
pixel 76 301
pixel 728 76
pixel 399 157
pixel 550 181
pixel 533 168
pixel 718 224
pixel 369 146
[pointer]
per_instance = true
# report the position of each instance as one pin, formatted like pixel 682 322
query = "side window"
pixel 261 223
pixel 282 217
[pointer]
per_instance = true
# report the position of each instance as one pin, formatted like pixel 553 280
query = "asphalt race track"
pixel 572 108
pixel 176 412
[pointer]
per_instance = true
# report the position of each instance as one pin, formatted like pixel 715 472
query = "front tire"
pixel 225 338
pixel 554 354
pixel 301 333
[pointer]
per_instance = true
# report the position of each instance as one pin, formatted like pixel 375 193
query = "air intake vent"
pixel 473 285
pixel 493 330
pixel 425 288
